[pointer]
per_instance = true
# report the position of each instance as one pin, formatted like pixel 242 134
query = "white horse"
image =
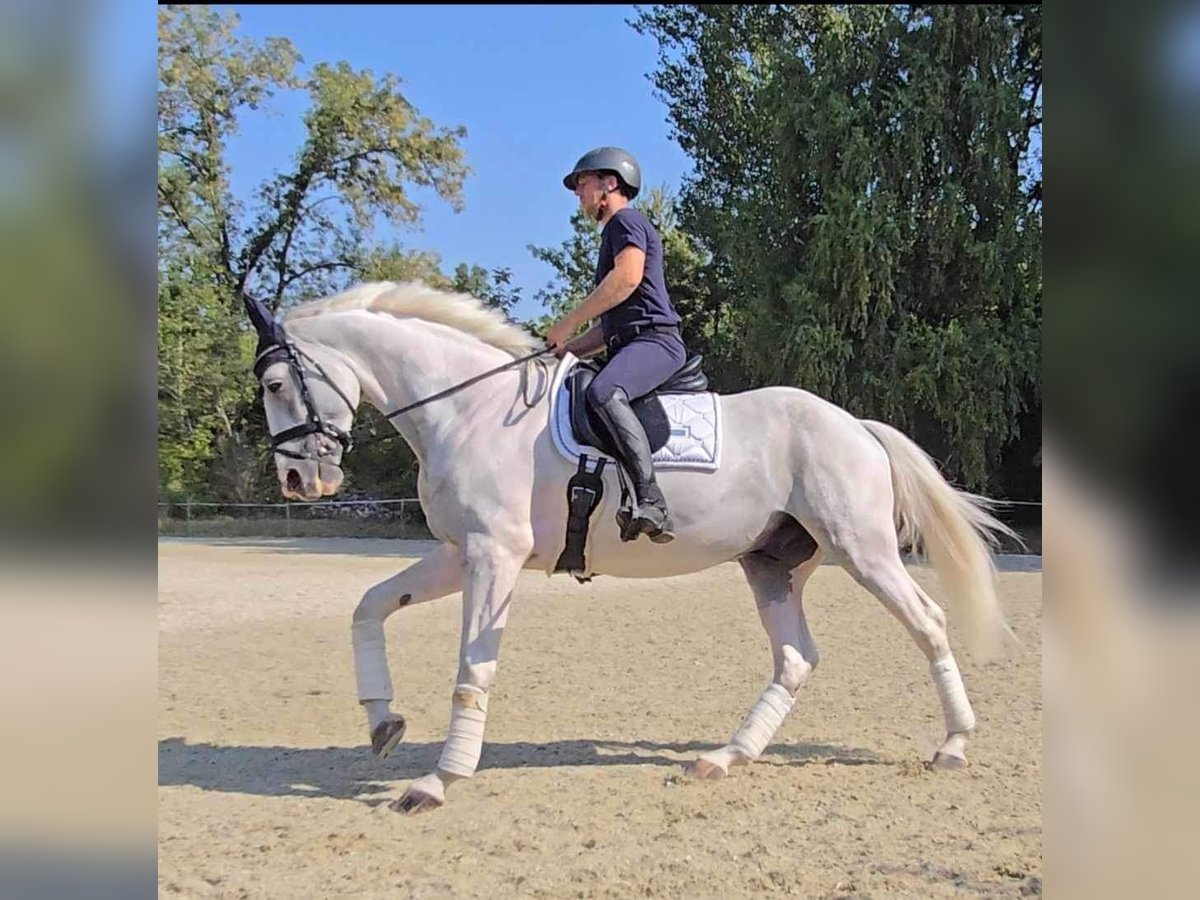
pixel 800 479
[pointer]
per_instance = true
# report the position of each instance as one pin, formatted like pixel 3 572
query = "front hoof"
pixel 423 794
pixel 947 762
pixel 705 770
pixel 952 755
pixel 386 735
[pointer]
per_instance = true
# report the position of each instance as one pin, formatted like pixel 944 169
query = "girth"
pixel 584 492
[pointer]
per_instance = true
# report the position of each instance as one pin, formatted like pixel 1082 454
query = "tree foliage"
pixel 864 221
pixel 305 232
pixel 365 148
pixel 862 182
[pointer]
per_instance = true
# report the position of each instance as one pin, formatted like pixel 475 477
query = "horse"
pixel 800 480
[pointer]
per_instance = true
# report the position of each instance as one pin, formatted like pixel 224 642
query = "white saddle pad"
pixel 695 422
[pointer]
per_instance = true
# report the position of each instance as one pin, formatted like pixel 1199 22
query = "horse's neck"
pixel 402 361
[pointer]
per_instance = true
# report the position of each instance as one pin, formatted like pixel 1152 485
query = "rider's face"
pixel 589 188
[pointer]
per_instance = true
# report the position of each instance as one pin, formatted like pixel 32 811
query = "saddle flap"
pixel 577 383
pixel 683 427
pixel 589 428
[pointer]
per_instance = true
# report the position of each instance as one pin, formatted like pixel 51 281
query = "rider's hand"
pixel 558 336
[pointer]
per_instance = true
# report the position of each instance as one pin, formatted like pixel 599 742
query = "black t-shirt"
pixel 649 304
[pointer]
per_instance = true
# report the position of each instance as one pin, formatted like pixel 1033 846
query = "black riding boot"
pixel 650 515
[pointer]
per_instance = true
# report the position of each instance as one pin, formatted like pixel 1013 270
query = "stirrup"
pixel 659 527
pixel 665 534
pixel 662 533
pixel 632 527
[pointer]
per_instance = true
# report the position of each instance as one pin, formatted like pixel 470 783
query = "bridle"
pixel 313 423
pixel 275 346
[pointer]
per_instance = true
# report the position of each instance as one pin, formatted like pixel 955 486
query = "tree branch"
pixel 226 252
pixel 179 216
pixel 282 268
pixel 306 210
pixel 189 159
pixel 316 267
pixel 288 215
pixel 360 155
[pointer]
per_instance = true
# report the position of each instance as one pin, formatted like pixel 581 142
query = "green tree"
pixel 204 390
pixel 365 146
pixel 494 288
pixel 574 264
pixel 862 181
pixel 306 231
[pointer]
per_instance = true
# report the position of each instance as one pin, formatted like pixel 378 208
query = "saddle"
pixel 586 487
pixel 589 429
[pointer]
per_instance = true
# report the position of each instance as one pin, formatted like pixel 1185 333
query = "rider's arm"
pixel 614 290
pixel 589 343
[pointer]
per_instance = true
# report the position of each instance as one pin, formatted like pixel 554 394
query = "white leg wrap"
pixel 370 661
pixel 464 743
pixel 763 721
pixel 955 706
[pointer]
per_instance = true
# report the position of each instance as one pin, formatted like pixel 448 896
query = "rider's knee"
pixel 600 394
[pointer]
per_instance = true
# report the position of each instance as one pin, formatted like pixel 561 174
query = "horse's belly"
pixel 644 559
pixel 704 537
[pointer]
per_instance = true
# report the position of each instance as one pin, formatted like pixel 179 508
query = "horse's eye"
pixel 274 386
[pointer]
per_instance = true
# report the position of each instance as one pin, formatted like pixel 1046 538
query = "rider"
pixel 638 325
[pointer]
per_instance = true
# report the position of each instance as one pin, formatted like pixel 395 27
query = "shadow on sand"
pixel 353 773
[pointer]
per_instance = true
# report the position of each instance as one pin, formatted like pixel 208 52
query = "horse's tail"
pixel 953 529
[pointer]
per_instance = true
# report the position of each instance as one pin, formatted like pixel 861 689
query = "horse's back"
pixel 795 407
pixel 798 436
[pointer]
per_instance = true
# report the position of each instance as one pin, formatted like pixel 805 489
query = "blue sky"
pixel 535 87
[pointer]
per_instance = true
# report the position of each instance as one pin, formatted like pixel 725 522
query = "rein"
pixel 536 356
pixel 470 381
pixel 316 425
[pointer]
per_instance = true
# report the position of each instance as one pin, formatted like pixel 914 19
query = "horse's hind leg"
pixel 873 558
pixel 778 595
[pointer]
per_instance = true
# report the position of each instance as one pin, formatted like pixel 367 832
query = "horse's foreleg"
pixel 434 576
pixel 778 594
pixel 491 570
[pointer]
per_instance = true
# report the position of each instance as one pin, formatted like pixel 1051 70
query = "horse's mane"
pixel 415 298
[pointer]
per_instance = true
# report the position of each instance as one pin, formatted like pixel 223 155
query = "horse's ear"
pixel 270 333
pixel 264 322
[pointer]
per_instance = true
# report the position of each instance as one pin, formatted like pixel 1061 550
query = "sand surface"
pixel 267 786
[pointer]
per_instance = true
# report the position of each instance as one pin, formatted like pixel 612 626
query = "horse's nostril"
pixel 293 480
